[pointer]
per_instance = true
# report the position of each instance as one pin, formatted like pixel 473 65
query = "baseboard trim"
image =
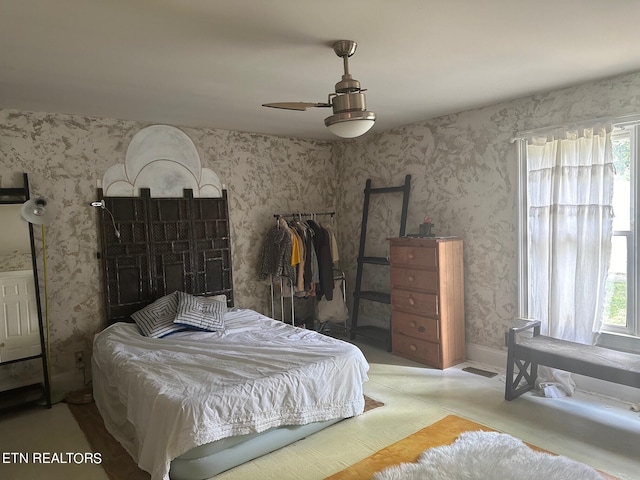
pixel 498 360
pixel 487 356
pixel 67 381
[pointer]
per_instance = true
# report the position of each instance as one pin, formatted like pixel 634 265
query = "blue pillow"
pixel 156 320
pixel 201 313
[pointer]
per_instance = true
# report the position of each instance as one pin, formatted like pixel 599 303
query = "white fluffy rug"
pixel 488 456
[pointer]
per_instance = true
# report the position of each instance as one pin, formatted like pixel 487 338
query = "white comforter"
pixel 193 388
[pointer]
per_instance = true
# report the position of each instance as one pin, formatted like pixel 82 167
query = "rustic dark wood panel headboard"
pixel 164 245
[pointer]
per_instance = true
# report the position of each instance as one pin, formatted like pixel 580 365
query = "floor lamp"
pixel 38 211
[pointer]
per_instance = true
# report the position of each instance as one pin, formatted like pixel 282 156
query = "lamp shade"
pixel 350 128
pixel 37 211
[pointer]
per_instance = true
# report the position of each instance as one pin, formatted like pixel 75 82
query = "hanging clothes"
pixel 322 246
pixel 276 253
pixel 298 259
pixel 334 246
pixel 306 257
pixel 310 264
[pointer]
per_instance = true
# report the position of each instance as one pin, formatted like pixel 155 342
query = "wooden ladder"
pixel 372 332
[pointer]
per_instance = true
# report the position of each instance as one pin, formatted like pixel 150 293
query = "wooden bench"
pixel 526 353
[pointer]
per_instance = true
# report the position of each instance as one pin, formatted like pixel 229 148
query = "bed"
pixel 161 398
pixel 195 403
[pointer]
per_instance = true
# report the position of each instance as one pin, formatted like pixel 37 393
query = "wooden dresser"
pixel 427 300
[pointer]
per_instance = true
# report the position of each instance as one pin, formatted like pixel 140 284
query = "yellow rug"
pixel 409 449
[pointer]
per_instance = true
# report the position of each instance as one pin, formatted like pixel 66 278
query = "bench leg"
pixel 526 370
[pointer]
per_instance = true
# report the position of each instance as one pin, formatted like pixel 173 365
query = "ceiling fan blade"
pixel 300 106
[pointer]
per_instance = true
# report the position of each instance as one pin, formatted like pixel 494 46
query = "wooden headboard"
pixel 165 244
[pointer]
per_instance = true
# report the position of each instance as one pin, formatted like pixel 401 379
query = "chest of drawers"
pixel 427 300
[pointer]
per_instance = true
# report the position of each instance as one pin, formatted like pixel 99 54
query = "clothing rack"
pixel 282 284
pixel 286 281
pixel 302 214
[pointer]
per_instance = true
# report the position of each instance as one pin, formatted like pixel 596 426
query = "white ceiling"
pixel 212 63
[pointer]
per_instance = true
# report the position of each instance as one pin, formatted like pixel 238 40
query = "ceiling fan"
pixel 350 116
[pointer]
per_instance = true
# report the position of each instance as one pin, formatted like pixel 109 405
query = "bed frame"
pixel 154 246
pixel 211 459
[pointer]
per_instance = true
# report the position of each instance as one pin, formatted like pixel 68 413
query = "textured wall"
pixel 464 175
pixel 15 261
pixel 65 155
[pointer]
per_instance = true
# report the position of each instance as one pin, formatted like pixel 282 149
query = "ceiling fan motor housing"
pixel 349 107
pixel 348 85
pixel 349 102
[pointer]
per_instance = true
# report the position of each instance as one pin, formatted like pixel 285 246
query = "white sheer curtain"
pixel 570 187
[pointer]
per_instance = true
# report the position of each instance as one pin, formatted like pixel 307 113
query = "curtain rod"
pixel 279 215
pixel 620 121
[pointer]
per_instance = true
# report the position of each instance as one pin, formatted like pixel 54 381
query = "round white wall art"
pixel 165 160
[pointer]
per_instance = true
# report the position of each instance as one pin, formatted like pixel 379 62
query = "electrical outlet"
pixel 79 360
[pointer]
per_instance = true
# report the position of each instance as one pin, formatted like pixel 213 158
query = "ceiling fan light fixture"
pixel 350 124
pixel 350 117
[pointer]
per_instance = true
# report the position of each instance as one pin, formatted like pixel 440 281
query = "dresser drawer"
pixel 422 328
pixel 418 350
pixel 416 257
pixel 414 302
pixel 425 280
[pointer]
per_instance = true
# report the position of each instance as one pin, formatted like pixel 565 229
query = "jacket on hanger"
pixel 276 253
pixel 322 245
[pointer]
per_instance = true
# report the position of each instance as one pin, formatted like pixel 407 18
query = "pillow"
pixel 201 313
pixel 156 320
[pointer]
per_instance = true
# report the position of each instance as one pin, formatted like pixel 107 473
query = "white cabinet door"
pixel 19 332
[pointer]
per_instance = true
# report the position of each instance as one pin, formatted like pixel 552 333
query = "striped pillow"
pixel 201 313
pixel 156 320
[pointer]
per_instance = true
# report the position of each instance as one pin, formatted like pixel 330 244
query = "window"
pixel 621 299
pixel 619 303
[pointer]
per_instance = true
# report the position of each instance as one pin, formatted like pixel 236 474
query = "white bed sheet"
pixel 193 388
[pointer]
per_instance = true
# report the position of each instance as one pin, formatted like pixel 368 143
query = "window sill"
pixel 619 341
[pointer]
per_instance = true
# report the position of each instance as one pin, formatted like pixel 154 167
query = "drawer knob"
pixel 413 348
pixel 412 302
pixel 410 255
pixel 411 278
pixel 420 329
pixel 412 324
